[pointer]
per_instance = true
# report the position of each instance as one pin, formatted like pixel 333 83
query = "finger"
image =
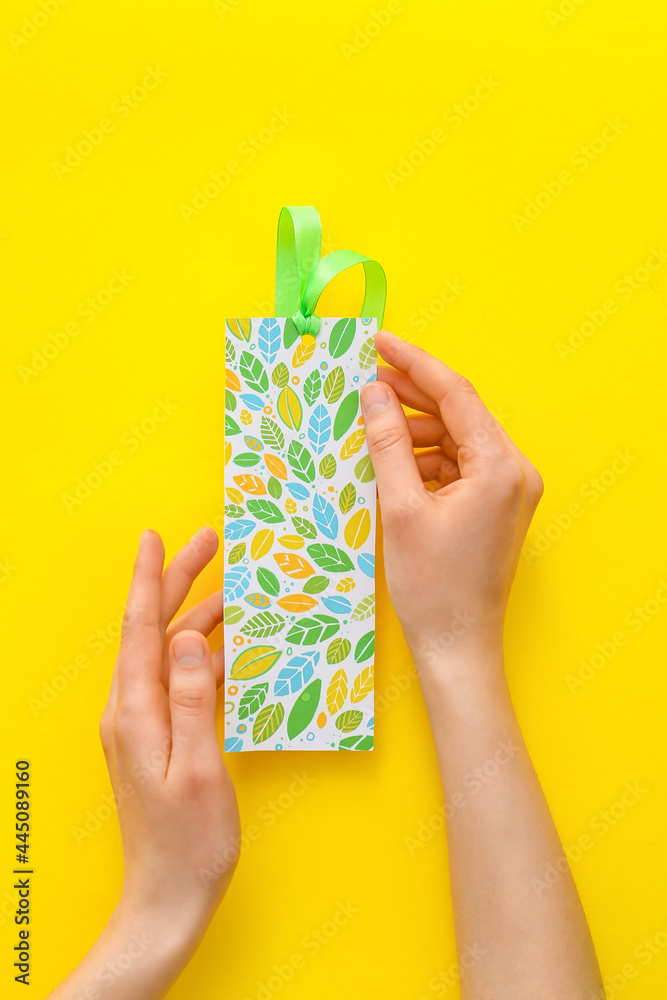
pixel 218 659
pixel 429 432
pixel 406 390
pixel 390 447
pixel 140 654
pixel 192 701
pixel 203 617
pixel 183 569
pixel 435 467
pixel 467 419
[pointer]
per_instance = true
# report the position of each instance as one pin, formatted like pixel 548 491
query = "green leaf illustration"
pixel 367 354
pixel 365 647
pixel 230 351
pixel 280 375
pixel 233 510
pixel 268 581
pixel 308 631
pixel 364 609
pixel 338 650
pixel 290 332
pixel 236 554
pixel 347 498
pixel 247 459
pixel 301 462
pixel 253 372
pixel 252 700
pixel 358 742
pixel 349 721
pixel 267 722
pixel 274 487
pixel 233 614
pixel 230 400
pixel 304 527
pixel 327 467
pixel 363 470
pixel 262 625
pixel 304 708
pixel 346 413
pixel 271 433
pixel 312 387
pixel 265 510
pixel 334 385
pixel 231 427
pixel 316 584
pixel 341 337
pixel 329 558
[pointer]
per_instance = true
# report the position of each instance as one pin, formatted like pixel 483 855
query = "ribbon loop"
pixel 301 276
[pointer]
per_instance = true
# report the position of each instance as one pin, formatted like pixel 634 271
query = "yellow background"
pixel 356 112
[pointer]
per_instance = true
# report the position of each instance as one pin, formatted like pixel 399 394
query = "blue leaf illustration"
pixel 251 401
pixel 233 744
pixel 298 672
pixel 325 516
pixel 268 339
pixel 236 583
pixel 298 491
pixel 239 529
pixel 337 605
pixel 366 564
pixel 319 428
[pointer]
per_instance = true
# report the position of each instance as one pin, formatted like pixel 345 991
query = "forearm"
pixel 137 956
pixel 518 937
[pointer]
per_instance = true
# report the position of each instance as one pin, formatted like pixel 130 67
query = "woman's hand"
pixel 451 551
pixel 176 803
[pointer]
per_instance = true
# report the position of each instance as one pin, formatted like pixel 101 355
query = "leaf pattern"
pixel 311 387
pixel 319 428
pixel 345 414
pixel 267 722
pixel 268 339
pixel 298 537
pixel 336 692
pixel 301 462
pixel 325 517
pixel 334 385
pixel 253 372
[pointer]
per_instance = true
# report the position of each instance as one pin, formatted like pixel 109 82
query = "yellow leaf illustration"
pixel 293 566
pixel 261 543
pixel 291 541
pixel 289 408
pixel 258 600
pixel 232 380
pixel 353 443
pixel 304 351
pixel 234 495
pixel 228 451
pixel 253 662
pixel 251 484
pixel 362 685
pixel 290 506
pixel 347 583
pixel 336 692
pixel 246 417
pixel 357 528
pixel 275 466
pixel 294 603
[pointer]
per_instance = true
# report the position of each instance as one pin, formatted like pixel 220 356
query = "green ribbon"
pixel 301 276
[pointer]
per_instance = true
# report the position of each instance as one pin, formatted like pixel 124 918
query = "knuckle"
pixel 189 698
pixel 463 384
pixel 381 439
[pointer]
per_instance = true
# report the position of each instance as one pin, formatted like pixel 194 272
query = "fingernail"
pixel 188 649
pixel 203 533
pixel 374 398
pixel 386 333
pixel 144 536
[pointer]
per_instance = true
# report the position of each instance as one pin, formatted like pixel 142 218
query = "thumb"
pixel 390 447
pixel 192 698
